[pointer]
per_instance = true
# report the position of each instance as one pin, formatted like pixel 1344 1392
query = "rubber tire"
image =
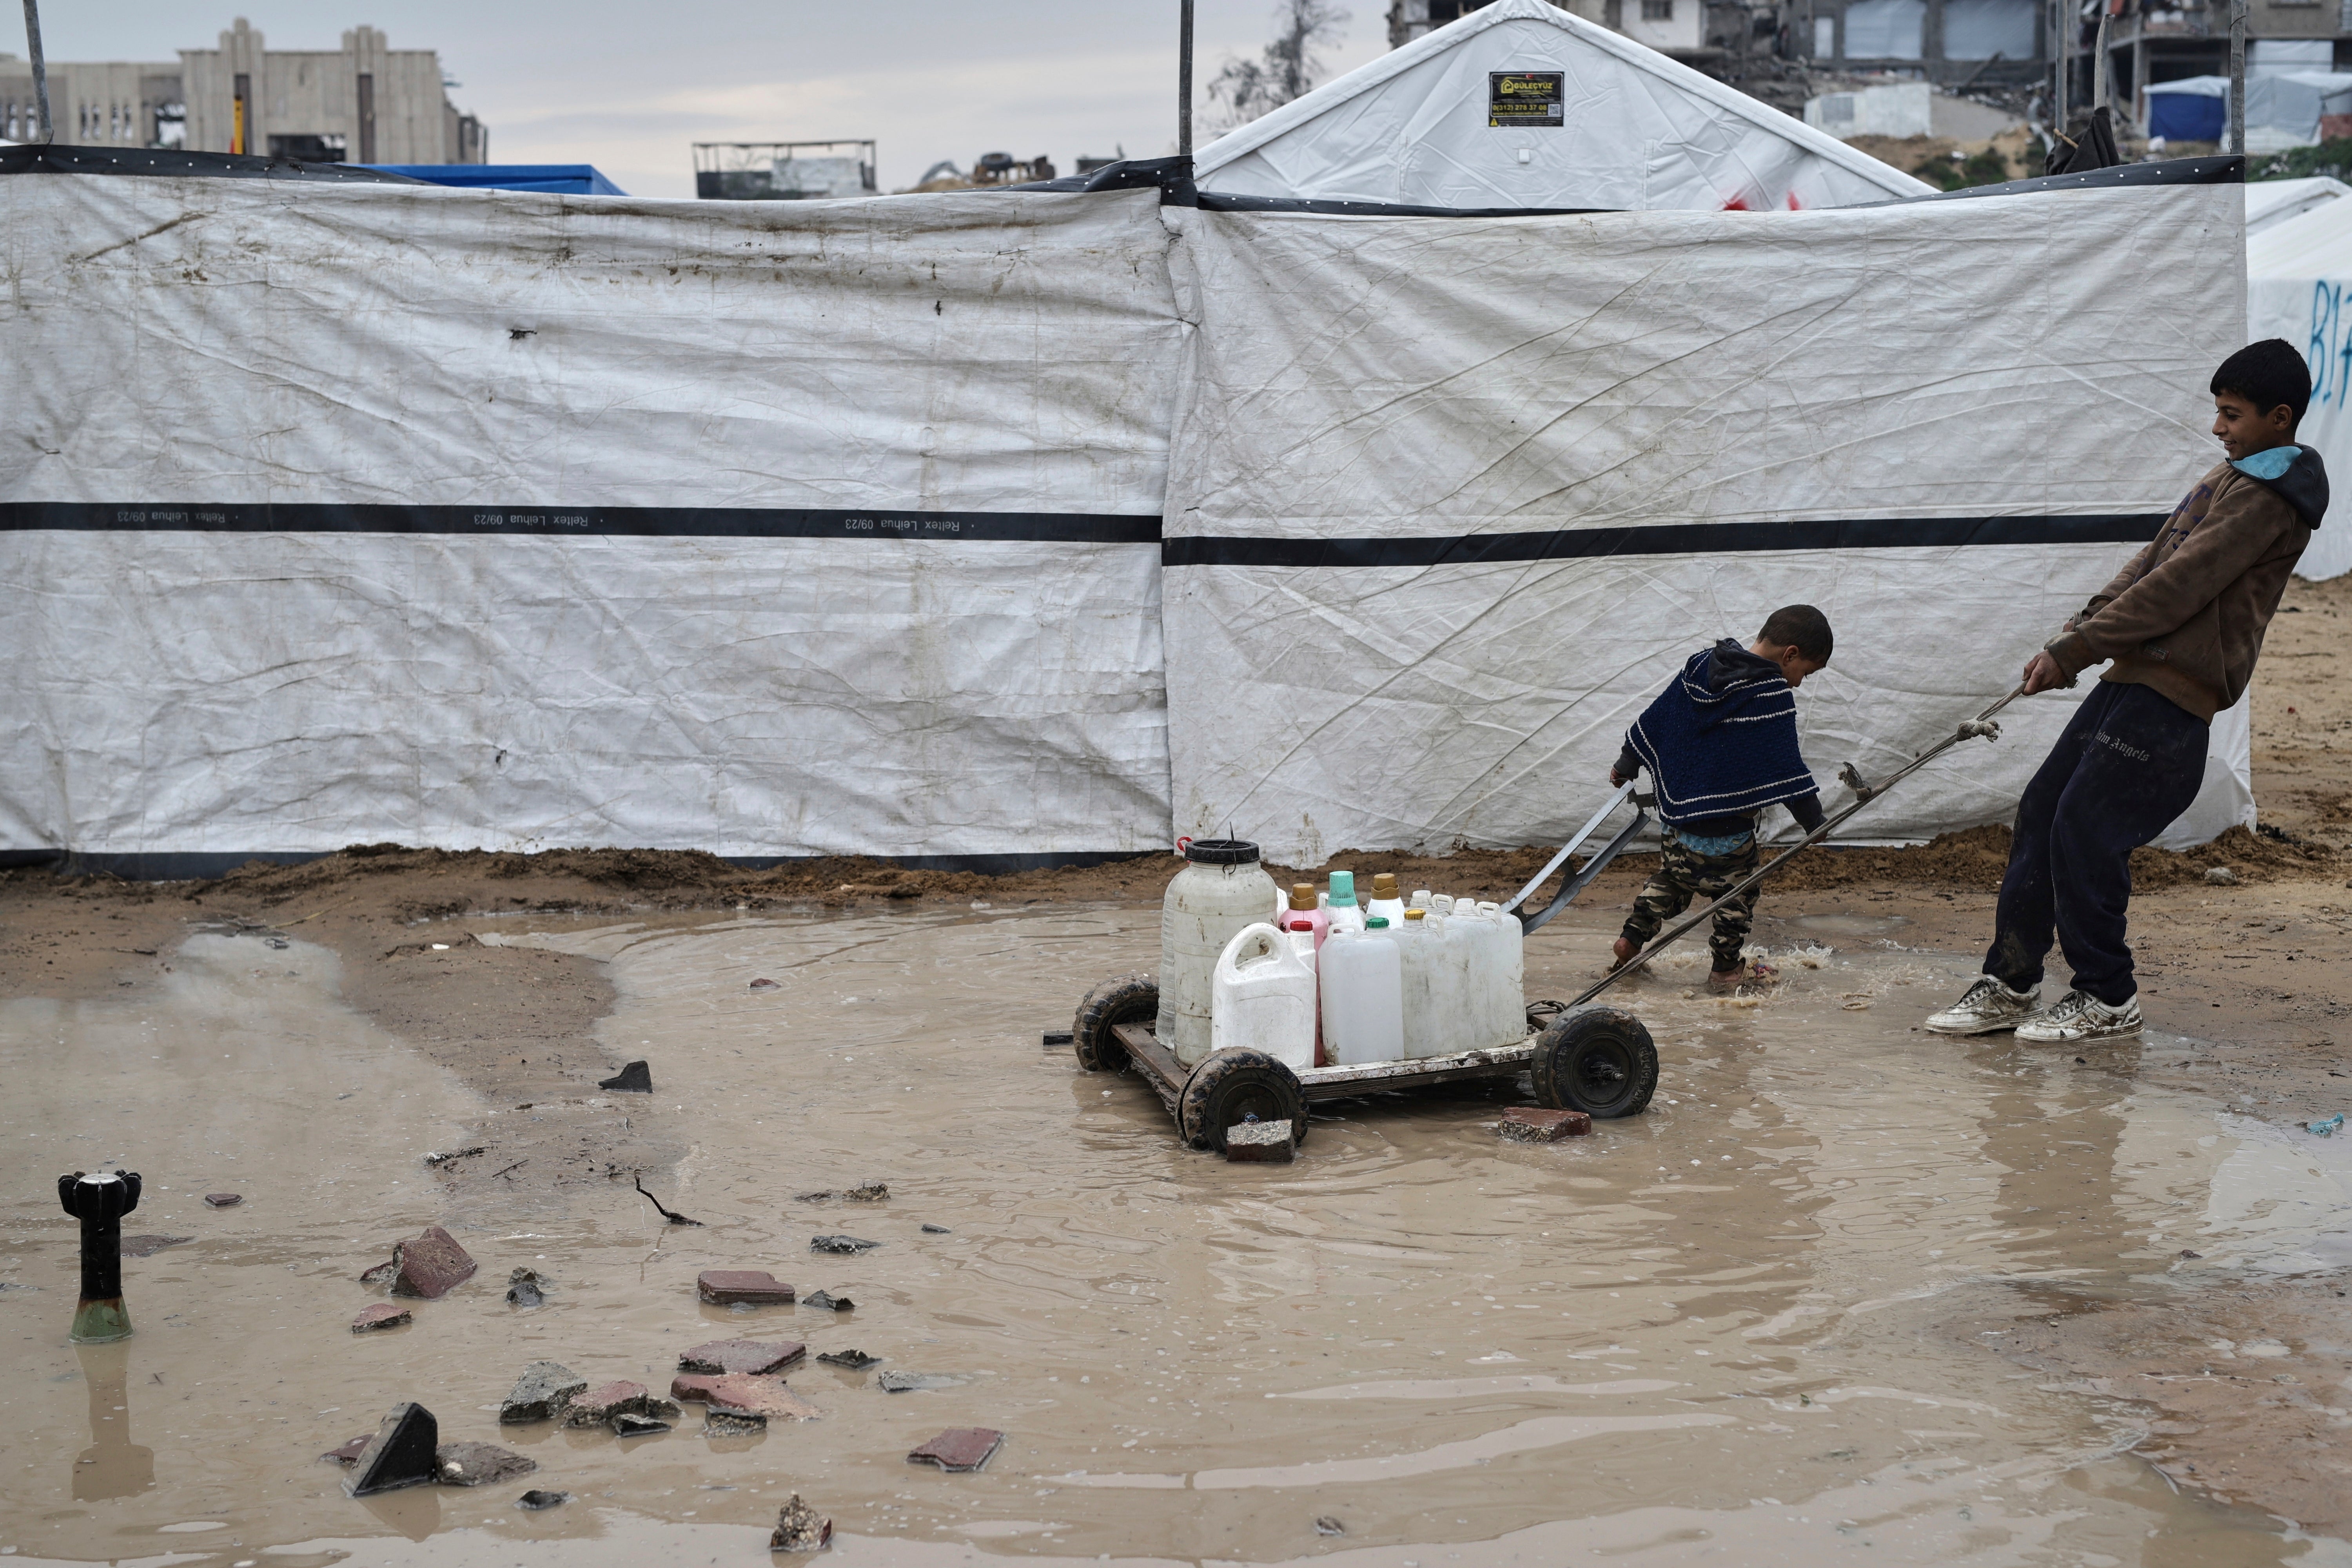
pixel 1229 1084
pixel 1599 1060
pixel 1122 999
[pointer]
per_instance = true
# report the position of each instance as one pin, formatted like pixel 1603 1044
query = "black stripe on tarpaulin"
pixel 589 521
pixel 1666 538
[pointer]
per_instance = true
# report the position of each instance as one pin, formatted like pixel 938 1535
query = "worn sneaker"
pixel 1985 1008
pixel 2081 1016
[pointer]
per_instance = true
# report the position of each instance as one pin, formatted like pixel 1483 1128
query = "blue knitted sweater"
pixel 1720 743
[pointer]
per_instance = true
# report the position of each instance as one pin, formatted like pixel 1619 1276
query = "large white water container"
pixel 1262 997
pixel 1429 988
pixel 1363 998
pixel 1510 986
pixel 1220 890
pixel 1483 948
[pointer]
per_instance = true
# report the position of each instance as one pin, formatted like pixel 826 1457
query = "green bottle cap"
pixel 1377 922
pixel 1343 890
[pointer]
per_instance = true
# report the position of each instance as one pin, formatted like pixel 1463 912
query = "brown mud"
pixel 510 1041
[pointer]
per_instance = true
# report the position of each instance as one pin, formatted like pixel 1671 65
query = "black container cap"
pixel 1221 852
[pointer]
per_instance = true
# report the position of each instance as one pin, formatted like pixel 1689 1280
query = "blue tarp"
pixel 2195 109
pixel 571 179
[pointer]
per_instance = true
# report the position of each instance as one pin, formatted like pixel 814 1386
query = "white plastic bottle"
pixel 1510 981
pixel 1470 953
pixel 1263 997
pixel 1220 890
pixel 1426 981
pixel 1363 998
pixel 1387 903
pixel 1340 903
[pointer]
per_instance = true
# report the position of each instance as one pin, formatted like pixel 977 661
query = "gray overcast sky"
pixel 628 86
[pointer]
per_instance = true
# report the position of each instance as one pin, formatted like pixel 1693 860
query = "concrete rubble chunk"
pixel 718 1424
pixel 763 984
pixel 428 1266
pixel 480 1464
pixel 536 1500
pixel 757 1398
pixel 855 1360
pixel 827 1302
pixel 751 1287
pixel 1259 1143
pixel 223 1200
pixel 541 1392
pixel 800 1528
pixel 849 1246
pixel 628 1425
pixel 526 1289
pixel 635 1078
pixel 1526 1124
pixel 382 1315
pixel 722 1357
pixel 958 1448
pixel 400 1454
pixel 930 1229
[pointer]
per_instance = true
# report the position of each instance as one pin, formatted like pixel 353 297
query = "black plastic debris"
pixel 930 1229
pixel 1057 1038
pixel 525 1288
pixel 536 1500
pixel 827 1302
pixel 855 1360
pixel 635 1078
pixel 847 1245
pixel 402 1453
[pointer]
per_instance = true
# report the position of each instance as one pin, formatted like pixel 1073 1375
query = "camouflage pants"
pixel 1682 874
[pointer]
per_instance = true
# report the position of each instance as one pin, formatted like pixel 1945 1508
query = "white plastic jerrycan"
pixel 1363 998
pixel 1263 998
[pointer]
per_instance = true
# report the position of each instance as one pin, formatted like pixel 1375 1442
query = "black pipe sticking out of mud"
pixel 99 1200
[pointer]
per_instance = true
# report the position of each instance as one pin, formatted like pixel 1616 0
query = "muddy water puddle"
pixel 1709 1333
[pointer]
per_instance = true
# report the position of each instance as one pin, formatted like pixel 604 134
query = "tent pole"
pixel 2063 17
pixel 1184 83
pixel 2099 64
pixel 40 70
pixel 2236 76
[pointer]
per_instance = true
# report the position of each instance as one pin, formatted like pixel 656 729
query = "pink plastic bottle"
pixel 1307 922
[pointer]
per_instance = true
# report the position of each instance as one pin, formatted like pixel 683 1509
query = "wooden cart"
pixel 1600 1060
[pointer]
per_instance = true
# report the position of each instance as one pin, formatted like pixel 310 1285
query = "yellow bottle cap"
pixel 1302 895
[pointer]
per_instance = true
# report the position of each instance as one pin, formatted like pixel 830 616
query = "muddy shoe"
pixel 1621 954
pixel 1730 979
pixel 2079 1017
pixel 1985 1008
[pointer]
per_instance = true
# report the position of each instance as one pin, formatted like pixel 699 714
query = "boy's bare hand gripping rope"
pixel 1864 794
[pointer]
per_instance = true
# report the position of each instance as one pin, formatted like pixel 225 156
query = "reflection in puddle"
pixel 1709 1332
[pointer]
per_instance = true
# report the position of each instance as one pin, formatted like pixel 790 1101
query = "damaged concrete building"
pixel 366 103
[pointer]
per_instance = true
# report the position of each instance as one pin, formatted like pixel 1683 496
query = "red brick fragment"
pixel 382 1315
pixel 1526 1124
pixel 720 1357
pixel 958 1448
pixel 764 1398
pixel 223 1200
pixel 725 1287
pixel 429 1266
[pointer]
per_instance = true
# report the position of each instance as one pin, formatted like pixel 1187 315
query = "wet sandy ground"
pixel 1764 1324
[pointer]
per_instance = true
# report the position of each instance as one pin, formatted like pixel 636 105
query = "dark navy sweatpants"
pixel 2128 763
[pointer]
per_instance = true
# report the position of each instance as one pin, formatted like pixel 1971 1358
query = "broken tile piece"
pixel 720 1357
pixel 757 1398
pixel 349 1453
pixel 597 1406
pixel 958 1448
pixel 223 1200
pixel 1527 1124
pixel 626 1424
pixel 541 1392
pixel 1260 1143
pixel 427 1266
pixel 382 1315
pixel 480 1464
pixel 855 1360
pixel 915 1381
pixel 799 1528
pixel 752 1287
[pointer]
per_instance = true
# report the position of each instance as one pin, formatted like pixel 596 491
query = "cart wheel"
pixel 1599 1060
pixel 1231 1085
pixel 1123 999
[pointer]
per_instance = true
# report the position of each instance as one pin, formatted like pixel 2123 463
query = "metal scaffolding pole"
pixel 2237 76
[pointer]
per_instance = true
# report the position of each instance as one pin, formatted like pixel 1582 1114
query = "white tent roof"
pixel 1640 131
pixel 2270 202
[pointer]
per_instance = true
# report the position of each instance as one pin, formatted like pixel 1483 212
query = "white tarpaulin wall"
pixel 1449 501
pixel 2298 283
pixel 1637 131
pixel 342 512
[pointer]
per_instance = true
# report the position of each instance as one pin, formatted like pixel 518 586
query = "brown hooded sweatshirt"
pixel 2188 613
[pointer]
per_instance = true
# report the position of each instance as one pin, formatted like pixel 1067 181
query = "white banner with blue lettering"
pixel 1449 504
pixel 2298 275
